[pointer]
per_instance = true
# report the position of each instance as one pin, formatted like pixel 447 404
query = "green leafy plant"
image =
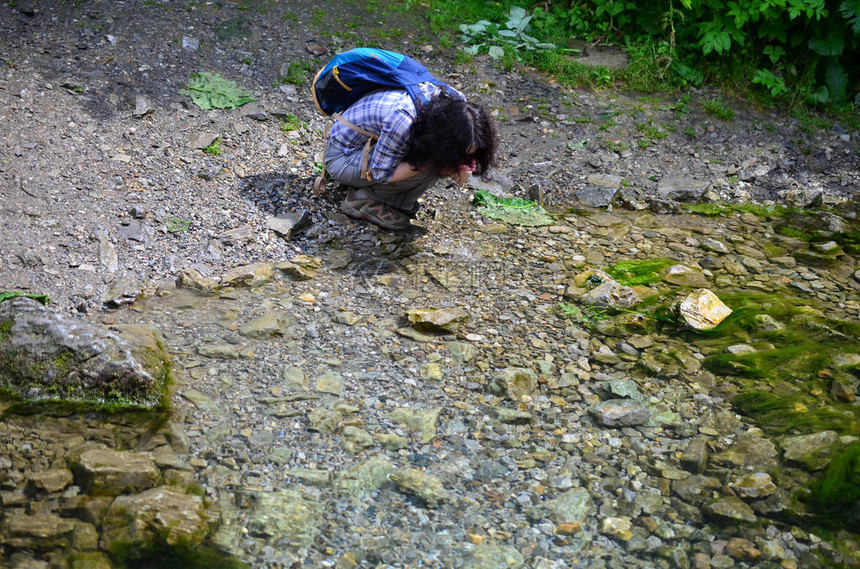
pixel 719 109
pixel 495 37
pixel 211 91
pixel 176 224
pixel 291 122
pixel 215 148
pixel 297 73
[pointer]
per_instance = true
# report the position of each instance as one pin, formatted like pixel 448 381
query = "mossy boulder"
pixel 48 358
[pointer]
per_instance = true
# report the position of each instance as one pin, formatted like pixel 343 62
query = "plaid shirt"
pixel 388 112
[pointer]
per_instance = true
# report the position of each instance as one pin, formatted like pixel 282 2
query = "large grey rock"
pixel 157 513
pixel 681 189
pixel 575 505
pixel 285 517
pixel 813 451
pixel 620 413
pixel 47 355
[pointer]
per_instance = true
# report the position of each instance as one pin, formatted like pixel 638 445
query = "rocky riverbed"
pixel 452 396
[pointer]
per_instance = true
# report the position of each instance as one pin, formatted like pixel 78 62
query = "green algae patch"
pixel 835 495
pixel 159 553
pixel 772 211
pixel 796 413
pixel 783 353
pixel 634 272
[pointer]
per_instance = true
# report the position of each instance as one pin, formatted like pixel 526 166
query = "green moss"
pixel 779 414
pixel 162 555
pixel 5 327
pixel 634 272
pixel 835 495
pixel 773 211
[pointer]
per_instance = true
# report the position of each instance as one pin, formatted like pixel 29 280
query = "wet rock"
pixel 518 384
pixel 121 292
pixel 813 451
pixel 703 310
pixel 742 549
pixel 844 388
pixel 730 509
pixel 252 275
pixel 575 505
pixel 612 294
pixel 695 456
pixel 301 267
pixel 486 556
pixel 619 528
pixel 47 354
pixel 285 517
pixel 620 413
pixel 424 421
pixel 754 485
pixel 437 319
pixel 682 275
pixel 157 513
pixel 748 450
pixel 41 530
pixel 191 278
pixel 267 326
pixel 508 416
pixel 364 478
pixel 111 472
pixel 696 489
pixel 418 483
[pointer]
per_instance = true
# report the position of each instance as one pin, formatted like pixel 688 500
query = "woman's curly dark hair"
pixel 444 131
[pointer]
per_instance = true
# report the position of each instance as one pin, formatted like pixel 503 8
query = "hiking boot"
pixel 352 205
pixel 380 214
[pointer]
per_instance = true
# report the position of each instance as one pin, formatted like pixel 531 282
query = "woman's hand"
pixel 464 172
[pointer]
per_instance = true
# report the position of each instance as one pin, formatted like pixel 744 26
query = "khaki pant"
pixel 346 169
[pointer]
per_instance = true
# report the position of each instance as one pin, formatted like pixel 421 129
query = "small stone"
pixel 620 413
pixel 731 509
pixel 420 484
pixel 703 310
pixel 742 549
pixel 755 485
pixel 446 319
pixel 431 371
pixel 619 528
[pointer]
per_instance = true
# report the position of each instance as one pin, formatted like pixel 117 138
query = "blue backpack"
pixel 352 74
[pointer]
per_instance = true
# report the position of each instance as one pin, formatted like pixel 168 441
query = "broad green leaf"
pixel 211 91
pixel 507 33
pixel 836 79
pixel 7 295
pixel 851 11
pixel 496 52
